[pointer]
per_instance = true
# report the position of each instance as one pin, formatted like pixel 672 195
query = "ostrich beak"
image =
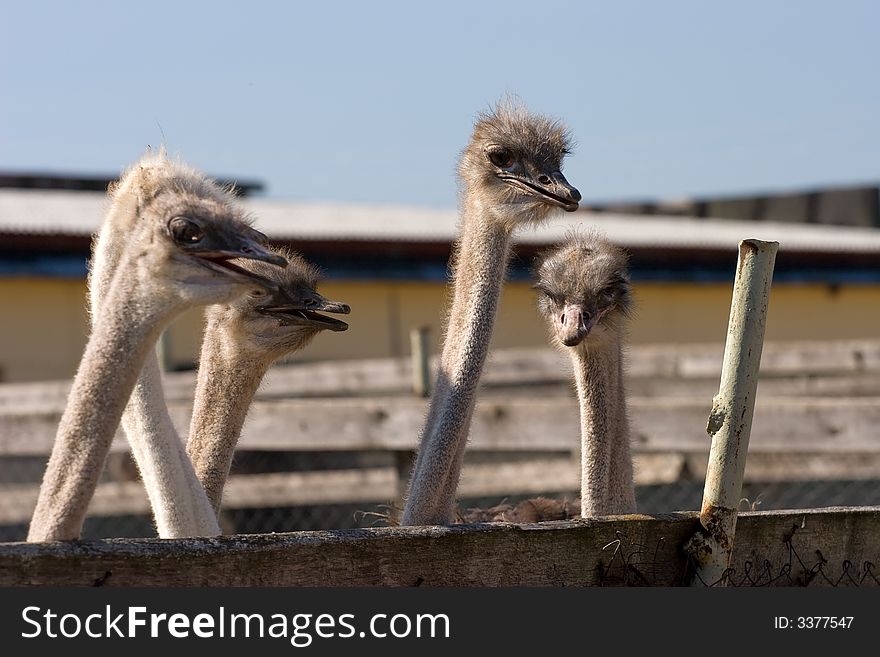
pixel 550 187
pixel 248 248
pixel 573 324
pixel 306 312
pixel 562 189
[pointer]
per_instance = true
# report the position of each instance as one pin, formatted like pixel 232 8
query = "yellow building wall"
pixel 44 325
pixel 43 328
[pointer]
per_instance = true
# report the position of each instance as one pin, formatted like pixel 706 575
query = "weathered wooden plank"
pixel 505 368
pixel 775 467
pixel 637 549
pixel 243 491
pixel 786 358
pixel 866 384
pixel 507 424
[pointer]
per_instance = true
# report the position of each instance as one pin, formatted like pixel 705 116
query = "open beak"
pixel 551 188
pixel 220 260
pixel 307 312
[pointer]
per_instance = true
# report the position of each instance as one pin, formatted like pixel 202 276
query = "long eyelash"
pixel 540 289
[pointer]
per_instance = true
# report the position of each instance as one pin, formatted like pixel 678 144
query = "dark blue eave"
pixel 68 266
pixel 51 266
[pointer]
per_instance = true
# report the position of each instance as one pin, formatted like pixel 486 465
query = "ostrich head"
pixel 513 163
pixel 187 230
pixel 584 289
pixel 285 319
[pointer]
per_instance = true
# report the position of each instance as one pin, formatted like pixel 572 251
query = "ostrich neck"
pixel 482 255
pixel 479 276
pixel 227 382
pixel 606 464
pixel 123 332
pixel 180 506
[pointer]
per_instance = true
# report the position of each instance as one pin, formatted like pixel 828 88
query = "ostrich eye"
pixel 546 294
pixel 606 296
pixel 185 231
pixel 542 291
pixel 258 293
pixel 500 157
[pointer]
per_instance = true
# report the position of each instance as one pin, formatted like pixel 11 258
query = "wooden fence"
pixel 828 547
pixel 817 417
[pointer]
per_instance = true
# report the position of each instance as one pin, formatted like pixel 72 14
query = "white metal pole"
pixel 730 421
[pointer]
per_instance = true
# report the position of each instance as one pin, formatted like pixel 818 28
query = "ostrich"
pixel 165 246
pixel 242 339
pixel 584 294
pixel 509 176
pixel 179 504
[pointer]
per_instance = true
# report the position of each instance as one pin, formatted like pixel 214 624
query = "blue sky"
pixel 372 101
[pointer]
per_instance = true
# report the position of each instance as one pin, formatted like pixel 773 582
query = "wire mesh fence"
pixel 652 499
pixel 800 564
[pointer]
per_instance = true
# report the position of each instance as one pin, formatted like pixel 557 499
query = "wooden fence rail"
pixel 817 547
pixel 807 424
pixel 850 365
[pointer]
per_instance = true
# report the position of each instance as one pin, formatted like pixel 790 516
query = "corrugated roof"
pixel 80 213
pixel 50 213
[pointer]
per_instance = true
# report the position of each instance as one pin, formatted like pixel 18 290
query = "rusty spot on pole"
pixel 716 521
pixel 699 548
pixel 716 420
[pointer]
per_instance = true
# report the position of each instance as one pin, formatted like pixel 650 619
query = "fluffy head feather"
pixel 513 164
pixel 584 288
pixel 268 325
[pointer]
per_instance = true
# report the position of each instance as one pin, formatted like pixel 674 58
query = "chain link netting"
pixel 18 472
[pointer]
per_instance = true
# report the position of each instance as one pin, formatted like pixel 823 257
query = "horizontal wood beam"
pixel 678 425
pixel 506 367
pixel 808 546
pixel 802 385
